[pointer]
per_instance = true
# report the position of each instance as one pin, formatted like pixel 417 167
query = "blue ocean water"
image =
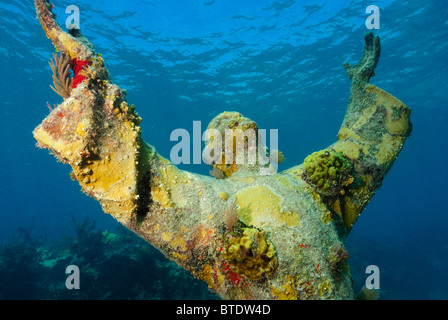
pixel 278 62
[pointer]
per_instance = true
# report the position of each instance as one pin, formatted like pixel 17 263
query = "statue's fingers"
pixel 61 39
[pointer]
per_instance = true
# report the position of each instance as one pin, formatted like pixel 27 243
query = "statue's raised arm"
pixel 246 233
pixel 372 135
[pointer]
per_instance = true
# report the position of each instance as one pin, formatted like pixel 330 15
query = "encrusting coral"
pixel 337 256
pixel 281 244
pixel 328 172
pixel 251 254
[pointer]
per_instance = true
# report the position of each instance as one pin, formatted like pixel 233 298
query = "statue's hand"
pixel 365 68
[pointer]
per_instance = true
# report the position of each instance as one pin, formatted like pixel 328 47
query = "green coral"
pixel 245 214
pixel 328 172
pixel 251 254
pixel 324 287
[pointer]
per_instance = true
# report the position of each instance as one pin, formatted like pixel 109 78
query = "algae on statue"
pixel 287 241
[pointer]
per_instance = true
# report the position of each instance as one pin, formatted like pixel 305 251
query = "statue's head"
pixel 234 143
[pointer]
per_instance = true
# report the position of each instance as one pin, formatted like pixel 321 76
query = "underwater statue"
pixel 248 235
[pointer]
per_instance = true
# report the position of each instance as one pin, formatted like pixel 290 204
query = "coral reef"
pixel 32 268
pixel 285 226
pixel 20 266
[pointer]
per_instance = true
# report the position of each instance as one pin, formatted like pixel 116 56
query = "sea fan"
pixel 231 216
pixel 62 80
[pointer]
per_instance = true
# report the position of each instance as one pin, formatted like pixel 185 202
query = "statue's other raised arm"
pixel 373 132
